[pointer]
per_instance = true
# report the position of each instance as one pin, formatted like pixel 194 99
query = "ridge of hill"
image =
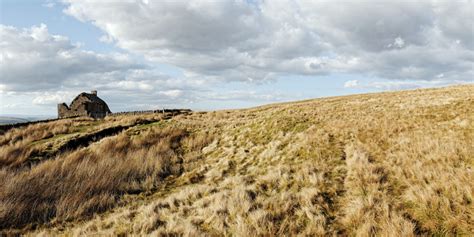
pixel 394 163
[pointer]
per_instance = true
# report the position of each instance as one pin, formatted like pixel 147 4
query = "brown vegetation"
pixel 85 181
pixel 389 164
pixel 16 143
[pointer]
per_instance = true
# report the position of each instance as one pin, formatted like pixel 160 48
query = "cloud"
pixel 398 44
pixel 51 98
pixel 351 84
pixel 455 21
pixel 211 39
pixel 49 4
pixel 172 93
pixel 244 95
pixel 262 40
pixel 43 69
pixel 32 59
pixel 399 85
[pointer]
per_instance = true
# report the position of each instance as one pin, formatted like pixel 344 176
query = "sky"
pixel 208 55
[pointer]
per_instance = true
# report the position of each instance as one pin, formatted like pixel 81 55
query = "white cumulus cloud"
pixel 32 59
pixel 351 84
pixel 261 40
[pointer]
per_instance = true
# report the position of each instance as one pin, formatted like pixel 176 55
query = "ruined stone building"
pixel 84 104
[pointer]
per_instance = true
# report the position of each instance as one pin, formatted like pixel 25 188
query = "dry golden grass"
pixel 86 181
pixel 387 164
pixel 25 145
pixel 15 143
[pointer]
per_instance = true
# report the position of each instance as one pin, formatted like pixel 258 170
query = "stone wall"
pixel 65 112
pixel 171 111
pixel 95 110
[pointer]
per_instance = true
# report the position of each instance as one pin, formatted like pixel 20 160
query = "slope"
pixel 374 164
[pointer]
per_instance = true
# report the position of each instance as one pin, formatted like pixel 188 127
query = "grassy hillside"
pixel 383 164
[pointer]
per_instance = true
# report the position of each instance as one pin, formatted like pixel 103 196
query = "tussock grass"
pixel 15 143
pixel 84 182
pixel 387 164
pixel 21 146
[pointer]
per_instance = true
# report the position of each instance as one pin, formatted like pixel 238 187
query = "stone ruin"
pixel 85 104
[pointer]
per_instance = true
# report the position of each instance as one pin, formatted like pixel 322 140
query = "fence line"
pixel 156 111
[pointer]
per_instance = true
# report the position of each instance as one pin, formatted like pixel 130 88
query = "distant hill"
pixel 382 164
pixel 20 118
pixel 12 120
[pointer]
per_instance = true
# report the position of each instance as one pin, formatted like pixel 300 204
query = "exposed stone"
pixel 84 104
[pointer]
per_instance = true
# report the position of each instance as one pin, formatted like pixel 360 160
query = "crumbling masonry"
pixel 84 104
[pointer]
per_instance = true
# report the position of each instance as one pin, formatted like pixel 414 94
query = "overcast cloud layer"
pixel 409 43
